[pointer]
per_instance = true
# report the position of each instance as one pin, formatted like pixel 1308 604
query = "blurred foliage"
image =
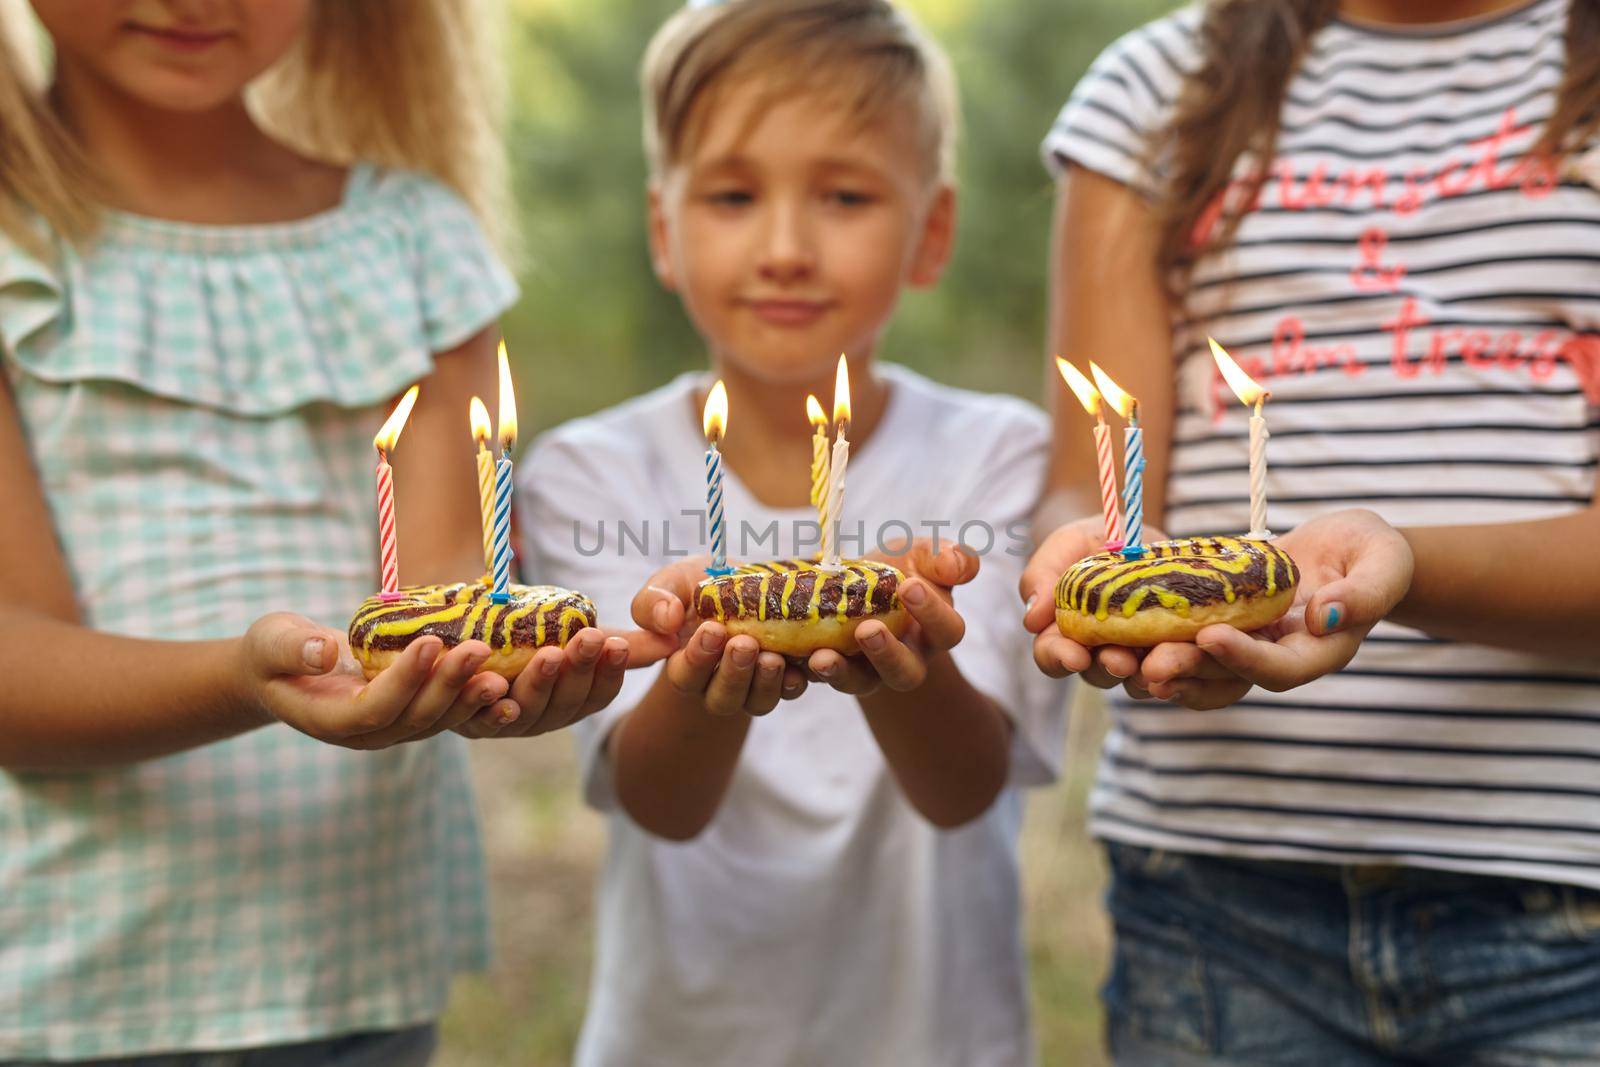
pixel 594 328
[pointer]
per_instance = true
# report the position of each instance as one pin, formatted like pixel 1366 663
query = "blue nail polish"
pixel 1333 619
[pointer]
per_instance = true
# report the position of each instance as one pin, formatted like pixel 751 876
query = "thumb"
pixel 661 605
pixel 291 644
pixel 1359 599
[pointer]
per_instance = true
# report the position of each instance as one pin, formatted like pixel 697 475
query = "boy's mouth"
pixel 788 312
pixel 180 38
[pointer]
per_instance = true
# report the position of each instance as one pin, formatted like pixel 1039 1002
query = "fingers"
pixel 729 687
pixel 1066 546
pixel 1059 656
pixel 1179 660
pixel 1202 695
pixel 644 646
pixel 1291 661
pixel 689 670
pixel 579 662
pixel 490 720
pixel 795 682
pixel 897 666
pixel 766 688
pixel 662 605
pixel 941 625
pixel 482 701
pixel 282 643
pixel 384 699
pixel 1368 591
pixel 852 675
pixel 953 564
pixel 443 698
pixel 533 688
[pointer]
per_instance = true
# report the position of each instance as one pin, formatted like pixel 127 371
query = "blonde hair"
pixel 402 83
pixel 869 54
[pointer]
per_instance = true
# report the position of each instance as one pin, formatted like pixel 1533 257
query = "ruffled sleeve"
pixel 30 296
pixel 347 307
pixel 461 283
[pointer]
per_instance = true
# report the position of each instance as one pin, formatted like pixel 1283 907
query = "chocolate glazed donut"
pixel 536 616
pixel 795 606
pixel 1174 591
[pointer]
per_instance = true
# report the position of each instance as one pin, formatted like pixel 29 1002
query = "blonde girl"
pixel 207 305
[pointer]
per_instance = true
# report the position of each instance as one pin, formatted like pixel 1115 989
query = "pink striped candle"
pixel 384 442
pixel 1089 397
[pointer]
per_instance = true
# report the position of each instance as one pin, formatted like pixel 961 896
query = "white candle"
pixel 836 465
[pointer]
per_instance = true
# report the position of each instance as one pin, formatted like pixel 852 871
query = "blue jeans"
pixel 1223 961
pixel 385 1048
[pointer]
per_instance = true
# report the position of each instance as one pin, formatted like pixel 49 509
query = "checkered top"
pixel 200 402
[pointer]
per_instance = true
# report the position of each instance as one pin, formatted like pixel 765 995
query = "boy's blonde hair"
pixel 404 83
pixel 870 55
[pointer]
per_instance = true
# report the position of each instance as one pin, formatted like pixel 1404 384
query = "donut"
pixel 535 616
pixel 796 606
pixel 1174 591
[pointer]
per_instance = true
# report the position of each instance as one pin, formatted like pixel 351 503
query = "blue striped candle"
pixel 719 535
pixel 501 593
pixel 1133 489
pixel 502 531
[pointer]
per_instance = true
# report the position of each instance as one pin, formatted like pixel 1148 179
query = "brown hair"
pixel 407 83
pixel 868 53
pixel 1231 106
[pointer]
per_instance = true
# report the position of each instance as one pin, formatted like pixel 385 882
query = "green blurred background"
pixel 593 328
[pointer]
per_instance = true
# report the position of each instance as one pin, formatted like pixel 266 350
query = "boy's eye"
pixel 729 197
pixel 849 197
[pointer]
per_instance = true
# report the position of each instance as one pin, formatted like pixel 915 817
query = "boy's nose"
pixel 787 253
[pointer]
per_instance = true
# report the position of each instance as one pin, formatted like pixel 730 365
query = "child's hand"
pixel 1354 568
pixel 560 686
pixel 1105 666
pixel 303 675
pixel 730 677
pixel 936 627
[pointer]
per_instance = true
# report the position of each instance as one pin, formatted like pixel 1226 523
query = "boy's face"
pixel 790 233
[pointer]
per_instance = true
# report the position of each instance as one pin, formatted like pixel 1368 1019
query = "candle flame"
pixel 814 412
pixel 508 404
pixel 389 435
pixel 1123 402
pixel 1244 387
pixel 479 415
pixel 841 395
pixel 1087 394
pixel 715 417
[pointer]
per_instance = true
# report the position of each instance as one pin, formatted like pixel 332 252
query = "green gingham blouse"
pixel 200 403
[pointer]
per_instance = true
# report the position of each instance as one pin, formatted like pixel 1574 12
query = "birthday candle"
pixel 1249 392
pixel 479 416
pixel 384 442
pixel 1132 462
pixel 837 464
pixel 819 459
pixel 1089 397
pixel 501 555
pixel 714 420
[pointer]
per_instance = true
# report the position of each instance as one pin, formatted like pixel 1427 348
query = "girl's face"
pixel 178 55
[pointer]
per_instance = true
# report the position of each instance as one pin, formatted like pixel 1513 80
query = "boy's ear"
pixel 937 240
pixel 660 261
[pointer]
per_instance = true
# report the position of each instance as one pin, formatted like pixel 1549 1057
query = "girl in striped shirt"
pixel 1371 834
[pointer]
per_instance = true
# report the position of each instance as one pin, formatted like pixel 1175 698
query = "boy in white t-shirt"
pixel 835 883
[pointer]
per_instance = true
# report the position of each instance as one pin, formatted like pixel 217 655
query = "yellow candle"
pixel 479 415
pixel 819 455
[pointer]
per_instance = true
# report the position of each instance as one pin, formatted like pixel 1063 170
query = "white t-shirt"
pixel 818 920
pixel 1425 312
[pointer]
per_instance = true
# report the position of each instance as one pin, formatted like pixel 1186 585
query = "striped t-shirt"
pixel 1423 305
